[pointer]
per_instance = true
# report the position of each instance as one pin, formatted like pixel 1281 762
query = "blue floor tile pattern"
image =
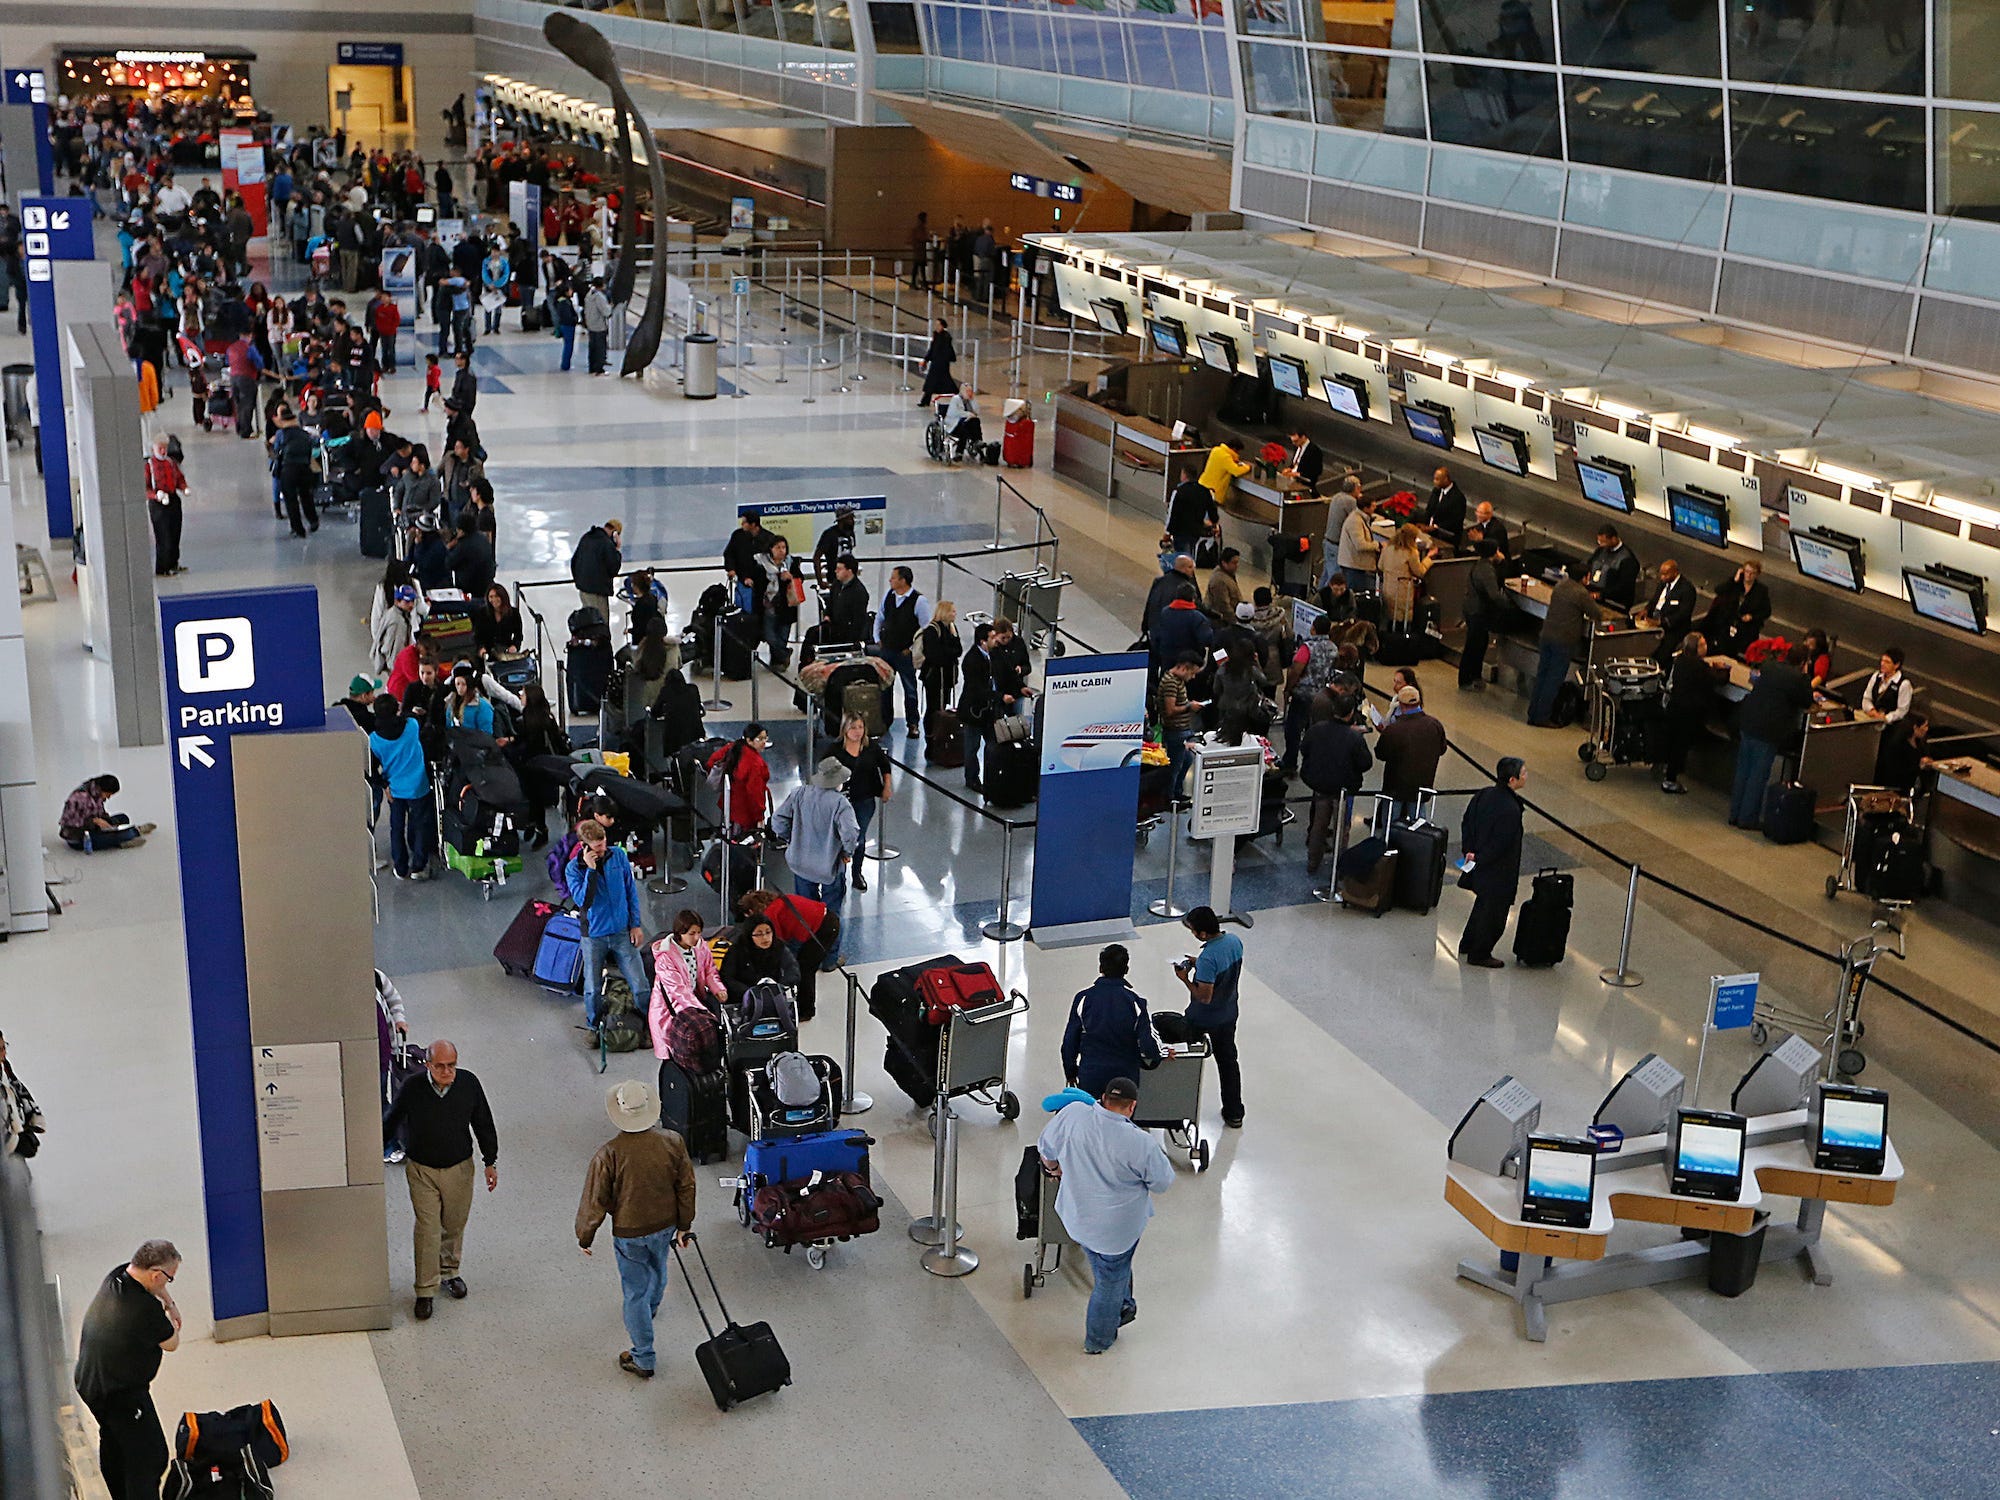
pixel 1908 1431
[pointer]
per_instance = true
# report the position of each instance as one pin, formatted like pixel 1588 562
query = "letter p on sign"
pixel 214 656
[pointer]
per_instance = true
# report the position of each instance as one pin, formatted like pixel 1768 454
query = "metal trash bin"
pixel 1733 1260
pixel 698 361
pixel 14 400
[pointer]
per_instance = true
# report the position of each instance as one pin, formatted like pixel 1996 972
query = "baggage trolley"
pixel 1052 1237
pixel 1625 699
pixel 1034 599
pixel 972 1058
pixel 1862 802
pixel 1840 1027
pixel 1170 1100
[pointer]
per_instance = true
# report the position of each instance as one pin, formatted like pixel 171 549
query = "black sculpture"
pixel 585 47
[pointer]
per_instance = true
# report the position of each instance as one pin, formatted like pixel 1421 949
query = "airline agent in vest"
pixel 1887 695
pixel 902 613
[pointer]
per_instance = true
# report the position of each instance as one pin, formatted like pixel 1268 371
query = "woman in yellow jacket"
pixel 1223 467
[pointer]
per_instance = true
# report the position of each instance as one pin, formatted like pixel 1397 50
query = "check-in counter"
pixel 1964 831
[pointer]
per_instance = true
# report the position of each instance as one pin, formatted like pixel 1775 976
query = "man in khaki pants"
pixel 441 1115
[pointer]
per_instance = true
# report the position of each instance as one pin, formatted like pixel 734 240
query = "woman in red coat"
pixel 749 777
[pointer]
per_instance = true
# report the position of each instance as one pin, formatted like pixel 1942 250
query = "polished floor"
pixel 1301 1331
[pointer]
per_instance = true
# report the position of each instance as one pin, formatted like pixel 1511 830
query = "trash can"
pixel 1017 438
pixel 1733 1258
pixel 14 400
pixel 698 356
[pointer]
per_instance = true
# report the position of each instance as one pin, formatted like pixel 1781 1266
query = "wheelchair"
pixel 943 448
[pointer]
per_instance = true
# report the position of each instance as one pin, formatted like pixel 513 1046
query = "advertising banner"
pixel 235 146
pixel 800 523
pixel 399 279
pixel 1093 724
pixel 245 662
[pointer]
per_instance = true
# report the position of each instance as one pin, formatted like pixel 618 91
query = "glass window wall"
pixel 1643 36
pixel 1367 91
pixel 1876 47
pixel 1667 128
pixel 1968 165
pixel 1510 30
pixel 1274 81
pixel 1502 109
pixel 895 26
pixel 1850 150
pixel 1968 49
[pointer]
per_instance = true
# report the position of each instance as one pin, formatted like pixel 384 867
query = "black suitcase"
pixel 739 644
pixel 696 1108
pixel 378 526
pixel 743 859
pixel 589 668
pixel 1012 772
pixel 1420 861
pixel 739 1362
pixel 1541 927
pixel 943 744
pixel 1889 866
pixel 1788 812
pixel 910 1053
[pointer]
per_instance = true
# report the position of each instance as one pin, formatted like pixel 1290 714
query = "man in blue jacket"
pixel 1110 1035
pixel 1212 979
pixel 600 881
pixel 398 747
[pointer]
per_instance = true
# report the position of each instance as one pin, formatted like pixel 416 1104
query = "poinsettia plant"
pixel 1273 454
pixel 1767 648
pixel 1402 505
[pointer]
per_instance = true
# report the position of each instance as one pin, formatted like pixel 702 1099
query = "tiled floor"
pixel 1302 1331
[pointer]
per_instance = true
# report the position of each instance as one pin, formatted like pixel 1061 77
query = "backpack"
pixel 794 1080
pixel 767 1000
pixel 618 1020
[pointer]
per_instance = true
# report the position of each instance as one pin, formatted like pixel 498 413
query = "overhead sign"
pixel 1093 728
pixel 52 229
pixel 1043 187
pixel 371 54
pixel 237 663
pixel 800 522
pixel 301 1116
pixel 1733 1001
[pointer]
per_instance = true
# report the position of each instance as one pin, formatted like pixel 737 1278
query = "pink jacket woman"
pixel 673 987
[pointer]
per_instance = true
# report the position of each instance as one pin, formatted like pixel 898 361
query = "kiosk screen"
pixel 1557 1180
pixel 1110 315
pixel 1346 395
pixel 1708 1155
pixel 1831 562
pixel 1288 376
pixel 1698 517
pixel 1853 1129
pixel 1218 351
pixel 1605 485
pixel 1169 335
pixel 1427 426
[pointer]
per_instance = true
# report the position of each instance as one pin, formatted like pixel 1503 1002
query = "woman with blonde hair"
pixel 1404 564
pixel 938 654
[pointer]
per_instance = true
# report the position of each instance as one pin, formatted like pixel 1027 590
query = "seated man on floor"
pixel 86 825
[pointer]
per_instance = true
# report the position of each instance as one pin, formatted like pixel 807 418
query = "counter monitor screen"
pixel 1110 315
pixel 1502 448
pixel 1288 376
pixel 1606 482
pixel 1346 395
pixel 1834 560
pixel 1853 1133
pixel 1557 1180
pixel 1698 515
pixel 1428 425
pixel 1218 351
pixel 1169 336
pixel 1708 1155
pixel 1957 601
pixel 427 213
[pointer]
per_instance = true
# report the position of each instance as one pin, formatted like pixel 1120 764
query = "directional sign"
pixel 52 229
pixel 25 86
pixel 237 663
pixel 301 1116
pixel 56 229
pixel 1733 1002
pixel 739 286
pixel 371 54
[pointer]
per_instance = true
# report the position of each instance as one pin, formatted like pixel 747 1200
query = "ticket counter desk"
pixel 1555 1264
pixel 1963 827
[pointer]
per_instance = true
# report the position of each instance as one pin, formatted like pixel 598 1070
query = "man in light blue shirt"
pixel 1110 1169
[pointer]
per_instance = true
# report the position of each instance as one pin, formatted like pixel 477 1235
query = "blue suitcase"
pixel 802 1155
pixel 559 959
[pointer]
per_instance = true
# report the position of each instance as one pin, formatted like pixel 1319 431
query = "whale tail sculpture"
pixel 586 47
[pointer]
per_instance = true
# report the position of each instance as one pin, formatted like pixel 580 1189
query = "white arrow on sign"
pixel 21 80
pixel 59 219
pixel 190 749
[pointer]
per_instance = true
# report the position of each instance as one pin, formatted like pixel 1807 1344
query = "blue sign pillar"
pixel 27 86
pixel 52 229
pixel 1093 726
pixel 236 663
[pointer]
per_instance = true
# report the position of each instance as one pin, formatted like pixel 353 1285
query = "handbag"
pixel 1010 729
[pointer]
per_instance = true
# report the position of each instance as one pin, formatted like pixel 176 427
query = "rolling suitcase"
pixel 1365 879
pixel 378 526
pixel 1420 846
pixel 589 668
pixel 1894 871
pixel 789 1158
pixel 522 941
pixel 911 1050
pixel 1012 771
pixel 1017 442
pixel 865 699
pixel 1541 927
pixel 743 857
pixel 739 1362
pixel 942 743
pixel 695 1106
pixel 1788 812
pixel 740 634
pixel 559 956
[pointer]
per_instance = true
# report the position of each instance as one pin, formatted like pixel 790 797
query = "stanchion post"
pixel 947 1257
pixel 1002 929
pixel 1624 977
pixel 882 852
pixel 925 1230
pixel 1164 907
pixel 722 865
pixel 999 499
pixel 781 363
pixel 852 1101
pixel 756 712
pixel 809 397
pixel 716 700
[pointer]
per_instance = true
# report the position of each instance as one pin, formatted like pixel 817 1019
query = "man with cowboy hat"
pixel 821 834
pixel 643 1179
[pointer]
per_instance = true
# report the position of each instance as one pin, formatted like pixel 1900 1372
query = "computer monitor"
pixel 1829 556
pixel 1288 376
pixel 1779 1081
pixel 1699 515
pixel 1501 447
pixel 1347 395
pixel 1218 351
pixel 1948 597
pixel 1169 336
pixel 1494 1131
pixel 1110 315
pixel 1644 1100
pixel 1606 482
pixel 1706 1159
pixel 1429 422
pixel 1851 1131
pixel 427 213
pixel 1558 1178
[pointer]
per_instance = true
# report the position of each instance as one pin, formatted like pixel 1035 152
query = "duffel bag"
pixel 210 1436
pixel 838 1206
pixel 958 987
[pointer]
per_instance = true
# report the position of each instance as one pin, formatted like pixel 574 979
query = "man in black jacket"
pixel 747 546
pixel 1768 723
pixel 1191 512
pixel 1612 572
pixel 1444 512
pixel 1671 608
pixel 595 565
pixel 1334 756
pixel 472 563
pixel 1491 836
pixel 1308 463
pixel 978 701
pixel 847 619
pixel 834 543
pixel 441 1115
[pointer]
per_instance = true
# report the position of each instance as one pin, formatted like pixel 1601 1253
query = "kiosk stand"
pixel 1228 785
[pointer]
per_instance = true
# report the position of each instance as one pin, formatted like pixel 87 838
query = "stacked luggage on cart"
pixel 914 1005
pixel 481 807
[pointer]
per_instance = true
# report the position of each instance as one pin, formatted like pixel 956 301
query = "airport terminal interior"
pixel 1684 1184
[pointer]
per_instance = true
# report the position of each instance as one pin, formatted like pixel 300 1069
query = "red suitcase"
pixel 1017 442
pixel 957 987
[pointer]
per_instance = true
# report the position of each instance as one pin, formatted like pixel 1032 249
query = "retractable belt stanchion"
pixel 853 1101
pixel 925 1231
pixel 1002 929
pixel 1164 907
pixel 1624 977
pixel 882 850
pixel 947 1257
pixel 722 865
pixel 716 700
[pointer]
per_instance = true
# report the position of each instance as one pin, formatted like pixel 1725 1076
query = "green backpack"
pixel 621 1026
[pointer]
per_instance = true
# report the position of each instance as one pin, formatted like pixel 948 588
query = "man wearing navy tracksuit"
pixel 1110 1034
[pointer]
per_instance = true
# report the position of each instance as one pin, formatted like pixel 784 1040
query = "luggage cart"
pixel 972 1058
pixel 1625 698
pixel 1840 1025
pixel 1864 802
pixel 1035 600
pixel 1170 1100
pixel 1052 1237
